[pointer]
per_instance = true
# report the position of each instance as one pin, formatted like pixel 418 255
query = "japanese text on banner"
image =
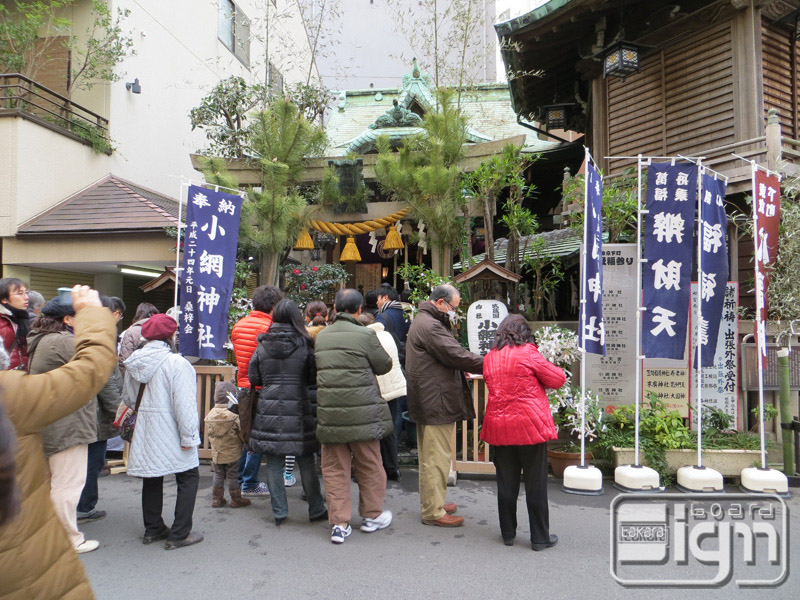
pixel 209 261
pixel 593 333
pixel 714 265
pixel 766 213
pixel 671 196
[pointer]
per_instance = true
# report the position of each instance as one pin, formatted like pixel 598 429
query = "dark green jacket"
pixel 349 403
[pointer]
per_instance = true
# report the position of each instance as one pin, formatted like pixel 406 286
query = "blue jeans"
pixel 400 408
pixel 249 465
pixel 277 488
pixel 95 461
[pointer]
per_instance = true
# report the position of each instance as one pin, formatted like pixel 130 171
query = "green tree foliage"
pixel 30 31
pixel 620 205
pixel 274 212
pixel 305 284
pixel 222 115
pixel 102 47
pixel 425 174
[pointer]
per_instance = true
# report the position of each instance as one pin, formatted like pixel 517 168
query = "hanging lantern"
pixel 350 251
pixel 393 240
pixel 304 241
pixel 621 59
pixel 555 116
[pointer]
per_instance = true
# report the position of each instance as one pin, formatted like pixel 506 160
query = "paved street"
pixel 245 554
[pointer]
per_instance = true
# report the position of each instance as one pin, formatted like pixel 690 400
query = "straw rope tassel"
pixel 393 240
pixel 350 251
pixel 304 241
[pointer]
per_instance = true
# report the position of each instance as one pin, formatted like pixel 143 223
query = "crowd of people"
pixel 322 389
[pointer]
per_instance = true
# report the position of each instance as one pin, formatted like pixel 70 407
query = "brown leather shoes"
pixel 445 521
pixel 450 508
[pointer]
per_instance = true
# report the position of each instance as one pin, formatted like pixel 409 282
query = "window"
pixel 275 80
pixel 234 30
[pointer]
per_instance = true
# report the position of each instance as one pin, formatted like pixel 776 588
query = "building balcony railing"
pixel 20 96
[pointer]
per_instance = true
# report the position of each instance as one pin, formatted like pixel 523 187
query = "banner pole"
pixel 699 315
pixel 583 304
pixel 760 322
pixel 184 186
pixel 639 307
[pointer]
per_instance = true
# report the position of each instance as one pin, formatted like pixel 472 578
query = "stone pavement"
pixel 245 555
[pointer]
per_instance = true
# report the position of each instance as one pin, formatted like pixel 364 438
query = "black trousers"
pixel 96 458
pixel 531 461
pixel 153 502
pixel 389 444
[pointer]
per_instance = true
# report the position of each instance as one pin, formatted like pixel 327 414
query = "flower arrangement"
pixel 565 407
pixel 560 347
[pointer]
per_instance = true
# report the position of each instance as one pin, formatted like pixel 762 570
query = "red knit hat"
pixel 159 327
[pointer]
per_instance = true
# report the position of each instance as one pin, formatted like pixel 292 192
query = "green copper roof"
pixel 537 14
pixel 362 115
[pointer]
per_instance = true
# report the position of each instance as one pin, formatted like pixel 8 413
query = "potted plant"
pixel 565 408
pixel 667 444
pixel 560 347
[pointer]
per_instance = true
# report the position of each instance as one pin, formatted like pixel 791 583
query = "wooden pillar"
pixel 773 140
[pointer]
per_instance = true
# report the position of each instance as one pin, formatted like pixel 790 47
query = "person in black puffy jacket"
pixel 283 367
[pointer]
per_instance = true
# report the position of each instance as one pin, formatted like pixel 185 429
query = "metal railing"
pixel 19 93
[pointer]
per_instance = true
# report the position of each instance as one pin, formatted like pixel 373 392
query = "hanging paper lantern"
pixel 350 251
pixel 393 240
pixel 304 241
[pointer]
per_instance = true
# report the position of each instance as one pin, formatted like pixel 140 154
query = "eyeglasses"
pixel 450 305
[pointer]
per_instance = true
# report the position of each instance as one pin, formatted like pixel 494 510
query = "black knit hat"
pixel 56 310
pixel 221 391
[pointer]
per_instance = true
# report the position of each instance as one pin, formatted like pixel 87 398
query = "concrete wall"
pixel 39 168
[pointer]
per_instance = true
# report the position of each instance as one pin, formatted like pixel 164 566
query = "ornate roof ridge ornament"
pixel 397 116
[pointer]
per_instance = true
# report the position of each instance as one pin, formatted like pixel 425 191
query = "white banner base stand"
pixel 693 478
pixel 585 480
pixel 759 480
pixel 637 478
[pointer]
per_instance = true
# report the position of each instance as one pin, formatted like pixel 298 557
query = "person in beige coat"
pixel 37 559
pixel 392 386
pixel 225 436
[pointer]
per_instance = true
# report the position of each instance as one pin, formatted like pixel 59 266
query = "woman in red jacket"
pixel 518 424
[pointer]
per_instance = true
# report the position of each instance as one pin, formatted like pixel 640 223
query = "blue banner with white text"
pixel 206 279
pixel 668 239
pixel 593 333
pixel 713 266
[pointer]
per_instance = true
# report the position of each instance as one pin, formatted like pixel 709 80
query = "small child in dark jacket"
pixel 225 436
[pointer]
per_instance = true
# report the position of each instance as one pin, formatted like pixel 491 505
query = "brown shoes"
pixel 218 497
pixel 450 508
pixel 445 521
pixel 236 498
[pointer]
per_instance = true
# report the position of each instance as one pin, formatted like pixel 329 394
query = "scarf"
pixel 391 304
pixel 22 319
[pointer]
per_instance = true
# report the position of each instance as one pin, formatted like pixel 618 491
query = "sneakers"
pixel 289 479
pixel 94 515
pixel 87 546
pixel 338 534
pixel 260 490
pixel 189 540
pixel 382 521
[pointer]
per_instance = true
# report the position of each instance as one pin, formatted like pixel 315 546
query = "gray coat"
pixel 108 400
pixel 168 417
pixel 49 351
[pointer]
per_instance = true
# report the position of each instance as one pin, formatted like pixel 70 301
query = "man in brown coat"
pixel 438 396
pixel 36 557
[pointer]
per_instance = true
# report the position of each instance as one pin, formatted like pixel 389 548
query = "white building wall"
pixel 178 59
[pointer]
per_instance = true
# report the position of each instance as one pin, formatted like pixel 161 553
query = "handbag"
pixel 126 422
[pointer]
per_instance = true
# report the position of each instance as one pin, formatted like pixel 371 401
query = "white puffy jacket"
pixel 393 384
